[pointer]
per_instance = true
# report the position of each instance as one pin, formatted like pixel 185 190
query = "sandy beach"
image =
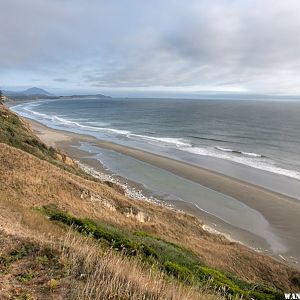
pixel 273 206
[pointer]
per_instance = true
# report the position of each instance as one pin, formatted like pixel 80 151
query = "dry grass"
pixel 75 268
pixel 27 267
pixel 109 275
pixel 20 193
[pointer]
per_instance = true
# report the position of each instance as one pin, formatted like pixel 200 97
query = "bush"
pixel 175 260
pixel 52 151
pixel 22 251
pixel 53 284
pixel 178 271
pixel 27 276
pixel 36 143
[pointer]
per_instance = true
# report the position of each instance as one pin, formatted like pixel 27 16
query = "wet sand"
pixel 282 212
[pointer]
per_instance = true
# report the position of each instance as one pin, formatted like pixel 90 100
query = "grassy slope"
pixel 168 257
pixel 168 242
pixel 14 131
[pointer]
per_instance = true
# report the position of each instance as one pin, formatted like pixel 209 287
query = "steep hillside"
pixel 15 131
pixel 65 235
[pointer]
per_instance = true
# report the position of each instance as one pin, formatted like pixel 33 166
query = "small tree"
pixel 1 97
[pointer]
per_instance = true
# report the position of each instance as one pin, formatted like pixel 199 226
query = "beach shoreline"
pixel 272 205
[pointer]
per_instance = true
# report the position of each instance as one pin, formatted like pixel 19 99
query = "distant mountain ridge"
pixel 31 93
pixel 38 93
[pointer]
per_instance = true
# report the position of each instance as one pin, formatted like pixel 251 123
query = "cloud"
pixel 61 79
pixel 250 45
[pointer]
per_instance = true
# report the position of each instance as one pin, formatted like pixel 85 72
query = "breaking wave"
pixel 239 152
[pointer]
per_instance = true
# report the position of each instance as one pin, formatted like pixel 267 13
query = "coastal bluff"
pixel 65 234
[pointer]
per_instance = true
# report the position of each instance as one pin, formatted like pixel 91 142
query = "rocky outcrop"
pixel 128 211
pixel 136 214
pixel 65 159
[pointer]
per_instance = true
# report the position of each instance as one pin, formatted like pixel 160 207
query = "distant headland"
pixel 38 93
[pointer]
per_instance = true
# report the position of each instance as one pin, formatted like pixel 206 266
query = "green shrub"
pixel 178 271
pixel 149 251
pixel 52 151
pixel 24 296
pixel 27 276
pixel 4 263
pixel 22 251
pixel 42 260
pixel 175 260
pixel 53 284
pixel 266 296
pixel 16 254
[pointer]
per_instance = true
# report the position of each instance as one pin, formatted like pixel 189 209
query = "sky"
pixel 153 47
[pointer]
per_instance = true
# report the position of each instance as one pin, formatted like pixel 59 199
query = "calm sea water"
pixel 263 135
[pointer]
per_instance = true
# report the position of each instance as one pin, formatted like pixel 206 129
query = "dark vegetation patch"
pixel 27 268
pixel 26 276
pixel 173 259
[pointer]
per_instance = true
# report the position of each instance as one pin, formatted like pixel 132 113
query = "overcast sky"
pixel 139 46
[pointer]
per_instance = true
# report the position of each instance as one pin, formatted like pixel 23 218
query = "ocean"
pixel 258 134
